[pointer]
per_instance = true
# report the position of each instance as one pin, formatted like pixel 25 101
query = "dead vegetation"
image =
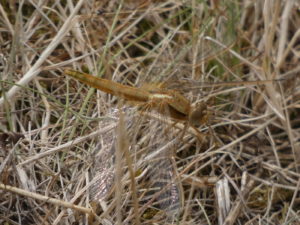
pixel 57 135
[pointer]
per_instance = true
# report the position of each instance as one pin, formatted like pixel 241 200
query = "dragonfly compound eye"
pixel 198 114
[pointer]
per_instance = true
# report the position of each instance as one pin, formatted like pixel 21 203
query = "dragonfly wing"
pixel 103 174
pixel 102 171
pixel 164 189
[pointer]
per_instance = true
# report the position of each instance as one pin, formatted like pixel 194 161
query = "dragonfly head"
pixel 198 114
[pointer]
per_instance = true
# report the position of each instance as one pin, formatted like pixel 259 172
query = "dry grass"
pixel 57 134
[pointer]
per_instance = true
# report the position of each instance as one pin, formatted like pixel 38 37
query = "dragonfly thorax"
pixel 158 96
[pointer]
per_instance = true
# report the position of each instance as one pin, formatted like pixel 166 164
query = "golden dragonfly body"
pixel 155 96
pixel 165 101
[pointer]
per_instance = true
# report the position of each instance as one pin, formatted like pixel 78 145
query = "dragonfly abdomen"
pixel 110 87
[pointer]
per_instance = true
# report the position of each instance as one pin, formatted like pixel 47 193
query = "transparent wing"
pixel 103 174
pixel 103 167
pixel 151 147
pixel 164 189
pixel 164 192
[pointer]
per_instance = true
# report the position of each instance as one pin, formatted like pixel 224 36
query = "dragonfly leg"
pixel 186 125
pixel 201 136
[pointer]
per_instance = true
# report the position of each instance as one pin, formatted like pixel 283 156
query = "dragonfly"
pixel 156 96
pixel 166 102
